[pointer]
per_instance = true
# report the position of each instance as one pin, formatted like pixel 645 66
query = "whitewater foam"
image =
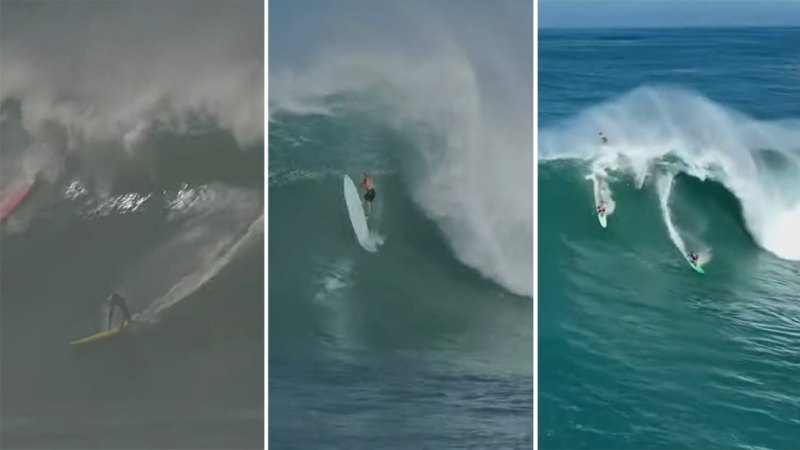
pixel 108 101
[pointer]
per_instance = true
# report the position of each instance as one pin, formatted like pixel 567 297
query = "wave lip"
pixel 170 69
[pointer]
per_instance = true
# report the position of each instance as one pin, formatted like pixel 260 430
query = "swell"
pixel 164 224
pixel 665 131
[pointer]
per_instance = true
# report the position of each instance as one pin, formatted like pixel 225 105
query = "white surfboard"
pixel 357 217
pixel 602 219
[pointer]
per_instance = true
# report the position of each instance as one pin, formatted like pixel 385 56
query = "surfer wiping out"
pixel 117 301
pixel 369 191
pixel 603 137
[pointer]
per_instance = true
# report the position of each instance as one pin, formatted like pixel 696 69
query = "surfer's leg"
pixel 110 315
pixel 370 197
pixel 126 313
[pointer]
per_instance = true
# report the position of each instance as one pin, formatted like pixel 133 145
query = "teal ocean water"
pixel 402 348
pixel 637 350
pixel 428 342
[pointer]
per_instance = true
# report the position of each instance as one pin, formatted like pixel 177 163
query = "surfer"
pixel 369 191
pixel 117 301
pixel 601 209
pixel 693 258
pixel 603 137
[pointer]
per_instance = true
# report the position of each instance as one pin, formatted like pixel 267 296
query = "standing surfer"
pixel 117 301
pixel 369 191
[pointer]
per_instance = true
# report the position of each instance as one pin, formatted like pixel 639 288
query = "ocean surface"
pixel 427 342
pixel 144 185
pixel 637 350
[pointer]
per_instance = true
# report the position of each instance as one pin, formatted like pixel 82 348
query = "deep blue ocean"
pixel 702 155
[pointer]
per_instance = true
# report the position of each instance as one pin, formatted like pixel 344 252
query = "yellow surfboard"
pixel 101 335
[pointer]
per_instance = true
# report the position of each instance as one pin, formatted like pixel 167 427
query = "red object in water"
pixel 10 202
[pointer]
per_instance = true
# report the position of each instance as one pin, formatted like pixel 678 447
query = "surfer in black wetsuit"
pixel 369 191
pixel 117 301
pixel 693 257
pixel 603 137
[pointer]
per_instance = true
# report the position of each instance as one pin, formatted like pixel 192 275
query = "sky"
pixel 667 13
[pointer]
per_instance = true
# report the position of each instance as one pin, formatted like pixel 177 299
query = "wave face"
pixel 142 126
pixel 694 162
pixel 466 161
pixel 408 93
pixel 657 130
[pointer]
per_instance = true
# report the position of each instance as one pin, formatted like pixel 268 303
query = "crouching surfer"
pixel 117 301
pixel 693 258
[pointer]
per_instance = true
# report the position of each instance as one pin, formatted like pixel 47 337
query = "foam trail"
pixel 226 251
pixel 664 184
pixel 209 226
